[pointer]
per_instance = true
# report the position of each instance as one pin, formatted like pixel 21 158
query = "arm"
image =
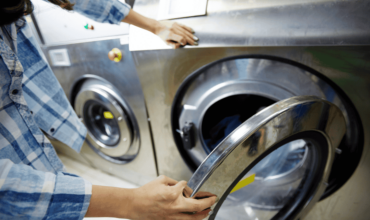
pixel 114 11
pixel 160 199
pixel 31 194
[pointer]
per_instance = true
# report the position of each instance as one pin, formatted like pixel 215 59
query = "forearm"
pixel 110 202
pixel 143 22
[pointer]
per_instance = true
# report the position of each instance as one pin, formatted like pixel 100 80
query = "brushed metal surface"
pixel 161 72
pixel 236 153
pixel 231 23
pixel 91 58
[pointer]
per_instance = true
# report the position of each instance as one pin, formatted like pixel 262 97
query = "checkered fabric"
pixel 32 182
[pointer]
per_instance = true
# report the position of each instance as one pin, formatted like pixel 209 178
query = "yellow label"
pixel 108 115
pixel 243 183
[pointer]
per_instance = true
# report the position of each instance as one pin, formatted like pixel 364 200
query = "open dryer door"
pixel 276 164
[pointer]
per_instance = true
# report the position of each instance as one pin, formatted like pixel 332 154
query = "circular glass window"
pixel 271 184
pixel 227 114
pixel 101 123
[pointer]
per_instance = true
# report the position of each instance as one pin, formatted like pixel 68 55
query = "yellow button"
pixel 108 115
pixel 243 183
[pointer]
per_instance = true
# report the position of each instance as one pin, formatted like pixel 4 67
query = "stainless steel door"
pixel 276 164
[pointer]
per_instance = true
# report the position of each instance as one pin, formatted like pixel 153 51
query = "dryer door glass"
pixel 274 165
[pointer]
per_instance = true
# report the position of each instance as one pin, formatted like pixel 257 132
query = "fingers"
pixel 187 191
pixel 180 186
pixel 181 34
pixel 177 38
pixel 173 44
pixel 195 205
pixel 186 28
pixel 197 216
pixel 190 38
pixel 166 180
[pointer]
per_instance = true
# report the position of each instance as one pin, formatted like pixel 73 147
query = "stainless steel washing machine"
pixel 235 116
pixel 105 94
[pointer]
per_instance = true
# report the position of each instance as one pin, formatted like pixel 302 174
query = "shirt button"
pixel 15 92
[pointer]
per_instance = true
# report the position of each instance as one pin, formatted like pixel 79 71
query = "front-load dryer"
pixel 252 58
pixel 106 95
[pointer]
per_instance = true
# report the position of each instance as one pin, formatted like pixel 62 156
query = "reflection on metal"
pixel 267 23
pixel 100 106
pixel 170 9
pixel 231 158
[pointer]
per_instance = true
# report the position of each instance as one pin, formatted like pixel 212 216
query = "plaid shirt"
pixel 32 182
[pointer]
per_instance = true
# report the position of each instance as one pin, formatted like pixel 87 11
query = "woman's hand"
pixel 175 34
pixel 164 198
pixel 160 199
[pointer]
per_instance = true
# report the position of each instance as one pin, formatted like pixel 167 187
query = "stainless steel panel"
pixel 92 58
pixel 231 23
pixel 276 123
pixel 162 71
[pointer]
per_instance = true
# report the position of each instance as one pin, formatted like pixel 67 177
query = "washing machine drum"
pixel 276 164
pixel 109 121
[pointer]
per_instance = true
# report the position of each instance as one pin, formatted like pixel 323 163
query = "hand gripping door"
pixel 275 165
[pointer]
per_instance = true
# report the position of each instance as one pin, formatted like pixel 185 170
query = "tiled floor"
pixel 96 177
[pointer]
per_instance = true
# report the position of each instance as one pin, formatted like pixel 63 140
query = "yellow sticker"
pixel 108 115
pixel 243 183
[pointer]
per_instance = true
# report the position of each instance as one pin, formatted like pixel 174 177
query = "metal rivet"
pixel 31 112
pixel 119 118
pixel 52 130
pixel 338 151
pixel 124 139
pixel 148 119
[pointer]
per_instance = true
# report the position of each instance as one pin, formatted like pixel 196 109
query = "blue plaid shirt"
pixel 32 182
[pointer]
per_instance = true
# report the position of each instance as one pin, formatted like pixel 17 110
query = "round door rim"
pixel 212 167
pixel 123 109
pixel 102 96
pixel 356 138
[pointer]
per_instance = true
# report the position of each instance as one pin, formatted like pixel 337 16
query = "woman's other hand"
pixel 175 34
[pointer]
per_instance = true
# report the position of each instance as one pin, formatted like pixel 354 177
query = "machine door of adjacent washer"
pixel 276 164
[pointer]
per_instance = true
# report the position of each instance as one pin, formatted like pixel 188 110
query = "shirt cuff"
pixel 118 12
pixel 71 197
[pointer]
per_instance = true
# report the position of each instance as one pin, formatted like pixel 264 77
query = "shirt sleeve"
pixel 32 194
pixel 104 11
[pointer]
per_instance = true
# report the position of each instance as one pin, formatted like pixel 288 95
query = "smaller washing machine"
pixel 106 95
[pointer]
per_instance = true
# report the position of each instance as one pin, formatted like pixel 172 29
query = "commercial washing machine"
pixel 105 94
pixel 270 111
